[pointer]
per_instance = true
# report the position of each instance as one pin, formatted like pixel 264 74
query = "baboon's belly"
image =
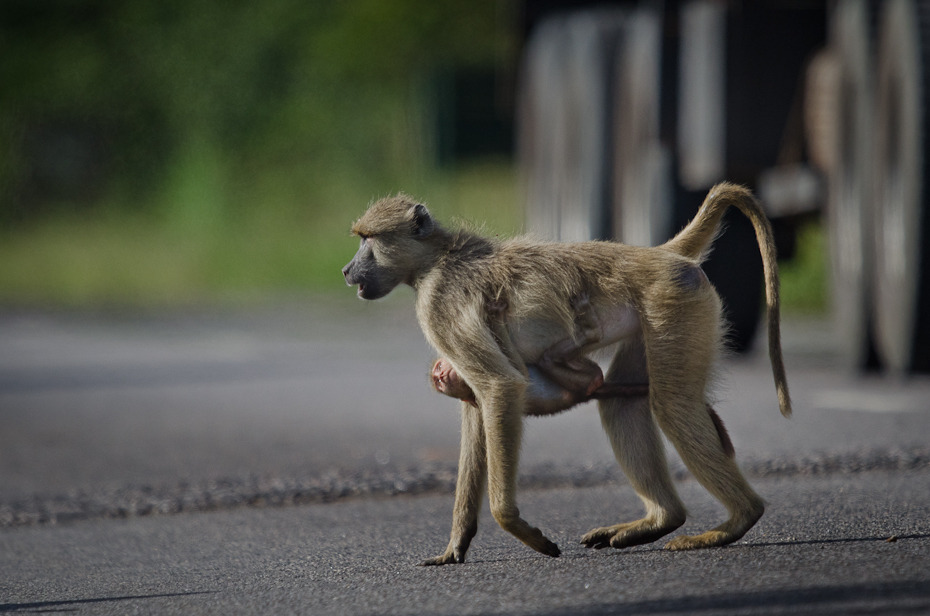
pixel 532 336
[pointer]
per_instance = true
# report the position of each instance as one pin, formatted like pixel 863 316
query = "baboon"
pixel 562 378
pixel 655 306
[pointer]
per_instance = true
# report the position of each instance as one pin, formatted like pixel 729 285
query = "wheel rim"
pixel 898 186
pixel 848 216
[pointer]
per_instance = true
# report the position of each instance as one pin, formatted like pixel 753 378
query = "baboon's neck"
pixel 456 248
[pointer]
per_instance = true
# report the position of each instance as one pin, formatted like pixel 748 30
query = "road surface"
pixel 293 459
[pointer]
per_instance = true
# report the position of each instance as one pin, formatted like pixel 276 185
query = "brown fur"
pixel 654 304
pixel 563 378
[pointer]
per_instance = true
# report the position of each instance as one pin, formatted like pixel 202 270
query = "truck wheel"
pixel 849 216
pixel 565 122
pixel 641 172
pixel 902 218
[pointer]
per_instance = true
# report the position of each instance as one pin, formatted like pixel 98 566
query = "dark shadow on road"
pixel 886 539
pixel 737 546
pixel 787 542
pixel 64 606
pixel 854 600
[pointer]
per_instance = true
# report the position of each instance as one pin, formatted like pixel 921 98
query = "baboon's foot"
pixel 728 532
pixel 627 535
pixel 710 539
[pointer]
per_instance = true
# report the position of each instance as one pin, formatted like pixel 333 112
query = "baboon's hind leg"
pixel 641 454
pixel 679 370
pixel 720 475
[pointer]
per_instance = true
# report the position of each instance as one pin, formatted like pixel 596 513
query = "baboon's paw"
pixel 442 559
pixel 627 535
pixel 550 549
pixel 710 539
pixel 529 535
pixel 449 557
pixel 599 538
pixel 541 544
pixel 639 534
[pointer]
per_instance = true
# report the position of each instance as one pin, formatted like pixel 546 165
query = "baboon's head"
pixel 396 244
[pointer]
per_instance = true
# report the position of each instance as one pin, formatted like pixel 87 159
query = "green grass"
pixel 277 235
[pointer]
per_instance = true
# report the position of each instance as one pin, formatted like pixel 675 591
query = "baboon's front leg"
pixel 503 422
pixel 469 487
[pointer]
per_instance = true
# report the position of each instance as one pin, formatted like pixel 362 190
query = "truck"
pixel 628 112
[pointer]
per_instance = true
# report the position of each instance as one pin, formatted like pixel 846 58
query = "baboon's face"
pixel 370 271
pixel 391 248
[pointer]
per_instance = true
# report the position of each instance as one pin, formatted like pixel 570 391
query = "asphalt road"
pixel 143 458
pixel 822 548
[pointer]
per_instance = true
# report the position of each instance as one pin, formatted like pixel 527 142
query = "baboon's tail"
pixel 695 240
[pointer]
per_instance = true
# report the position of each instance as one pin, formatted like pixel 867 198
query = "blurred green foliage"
pixel 118 259
pixel 212 130
pixel 174 151
pixel 804 284
pixel 141 95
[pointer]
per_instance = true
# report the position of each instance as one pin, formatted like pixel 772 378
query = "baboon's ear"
pixel 422 221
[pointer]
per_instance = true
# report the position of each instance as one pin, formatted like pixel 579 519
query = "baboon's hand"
pixel 449 557
pixel 549 549
pixel 529 535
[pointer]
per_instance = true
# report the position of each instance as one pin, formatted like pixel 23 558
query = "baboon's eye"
pixel 367 248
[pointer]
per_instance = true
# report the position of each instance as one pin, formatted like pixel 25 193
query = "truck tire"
pixel 642 172
pixel 902 217
pixel 565 123
pixel 848 216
